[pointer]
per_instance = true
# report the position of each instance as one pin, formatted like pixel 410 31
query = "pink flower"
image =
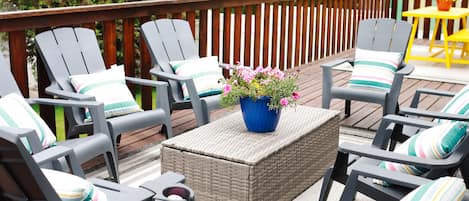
pixel 295 95
pixel 267 71
pixel 259 69
pixel 284 101
pixel 226 89
pixel 279 74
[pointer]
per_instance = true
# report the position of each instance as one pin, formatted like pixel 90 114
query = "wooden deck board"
pixel 363 115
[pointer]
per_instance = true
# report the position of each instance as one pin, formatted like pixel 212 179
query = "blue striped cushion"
pixel 442 189
pixel 459 104
pixel 73 188
pixel 434 143
pixel 205 72
pixel 108 87
pixel 374 69
pixel 16 112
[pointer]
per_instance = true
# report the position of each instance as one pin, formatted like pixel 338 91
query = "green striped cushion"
pixel 374 69
pixel 442 189
pixel 73 188
pixel 16 112
pixel 434 143
pixel 108 87
pixel 459 104
pixel 204 71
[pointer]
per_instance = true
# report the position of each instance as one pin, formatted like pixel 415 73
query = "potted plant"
pixel 262 93
pixel 444 5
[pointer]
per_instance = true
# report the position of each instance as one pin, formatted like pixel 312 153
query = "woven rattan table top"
pixel 228 138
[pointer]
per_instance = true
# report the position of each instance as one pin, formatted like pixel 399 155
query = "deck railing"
pixel 277 33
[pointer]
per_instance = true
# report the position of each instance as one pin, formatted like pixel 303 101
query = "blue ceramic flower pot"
pixel 257 116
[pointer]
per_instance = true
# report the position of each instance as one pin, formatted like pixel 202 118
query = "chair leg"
pixel 338 172
pixel 326 185
pixel 112 165
pixel 168 130
pixel 347 107
pixel 350 188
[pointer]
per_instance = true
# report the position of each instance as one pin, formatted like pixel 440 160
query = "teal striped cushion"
pixel 204 71
pixel 459 104
pixel 73 188
pixel 434 143
pixel 108 87
pixel 16 112
pixel 374 69
pixel 442 189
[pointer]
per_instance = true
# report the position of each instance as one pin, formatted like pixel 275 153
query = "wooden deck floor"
pixel 364 115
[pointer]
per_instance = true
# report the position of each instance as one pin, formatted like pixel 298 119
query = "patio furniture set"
pixel 221 160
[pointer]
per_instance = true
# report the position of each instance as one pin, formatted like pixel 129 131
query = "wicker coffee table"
pixel 222 161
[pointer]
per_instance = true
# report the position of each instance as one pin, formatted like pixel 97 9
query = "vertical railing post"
pixel 203 33
pixel 145 66
pixel 129 51
pixel 18 58
pixel 109 40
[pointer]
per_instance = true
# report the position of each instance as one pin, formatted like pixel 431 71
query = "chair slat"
pixel 186 40
pixel 170 42
pixel 90 50
pixel 8 81
pixel 71 51
pixel 52 57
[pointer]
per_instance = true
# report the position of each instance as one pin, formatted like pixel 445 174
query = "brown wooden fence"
pixel 274 33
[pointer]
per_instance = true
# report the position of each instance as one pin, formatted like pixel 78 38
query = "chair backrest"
pixel 21 178
pixel 170 40
pixel 8 81
pixel 384 35
pixel 69 51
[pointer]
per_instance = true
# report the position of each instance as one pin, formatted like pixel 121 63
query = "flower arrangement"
pixel 259 82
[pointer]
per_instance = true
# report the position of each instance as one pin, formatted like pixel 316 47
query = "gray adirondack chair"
pixel 72 51
pixel 402 133
pixel 85 148
pixel 171 40
pixel 373 34
pixel 401 180
pixel 23 180
pixel 373 155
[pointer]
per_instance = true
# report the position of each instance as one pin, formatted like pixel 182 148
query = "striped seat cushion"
pixel 73 188
pixel 16 112
pixel 108 87
pixel 459 104
pixel 205 72
pixel 442 189
pixel 434 143
pixel 374 69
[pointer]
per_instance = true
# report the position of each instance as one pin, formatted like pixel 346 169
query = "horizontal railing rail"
pixel 277 33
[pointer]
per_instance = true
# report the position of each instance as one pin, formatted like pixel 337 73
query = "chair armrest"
pixel 54 91
pixel 146 82
pixel 406 69
pixel 169 76
pixel 379 154
pixel 435 92
pixel 398 178
pixel 408 121
pixel 53 154
pixel 433 114
pixel 96 109
pixel 419 92
pixel 336 63
pixel 383 135
pixel 30 135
